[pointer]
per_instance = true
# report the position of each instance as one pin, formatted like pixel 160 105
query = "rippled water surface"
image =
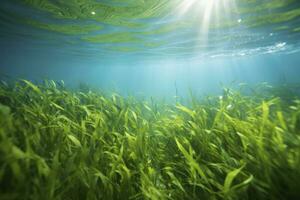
pixel 52 38
pixel 156 27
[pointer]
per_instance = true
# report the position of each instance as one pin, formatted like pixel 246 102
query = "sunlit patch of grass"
pixel 62 144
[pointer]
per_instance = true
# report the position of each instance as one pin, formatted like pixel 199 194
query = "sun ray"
pixel 208 16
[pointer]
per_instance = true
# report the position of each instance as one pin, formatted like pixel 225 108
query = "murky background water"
pixel 151 48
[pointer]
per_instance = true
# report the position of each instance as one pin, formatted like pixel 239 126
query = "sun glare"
pixel 207 11
pixel 207 14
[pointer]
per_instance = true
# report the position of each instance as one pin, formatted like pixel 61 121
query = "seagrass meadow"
pixel 149 100
pixel 57 143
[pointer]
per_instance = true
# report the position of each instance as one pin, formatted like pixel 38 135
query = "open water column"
pixel 149 99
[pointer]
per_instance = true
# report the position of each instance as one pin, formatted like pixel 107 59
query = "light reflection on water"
pixel 147 46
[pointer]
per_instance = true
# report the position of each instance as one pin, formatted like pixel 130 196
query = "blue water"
pixel 162 64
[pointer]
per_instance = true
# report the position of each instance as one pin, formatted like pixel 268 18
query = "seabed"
pixel 57 143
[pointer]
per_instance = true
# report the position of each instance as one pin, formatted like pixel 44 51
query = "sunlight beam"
pixel 208 15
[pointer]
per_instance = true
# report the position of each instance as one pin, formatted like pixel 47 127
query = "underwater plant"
pixel 61 144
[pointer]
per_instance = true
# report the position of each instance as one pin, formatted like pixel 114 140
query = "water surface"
pixel 148 47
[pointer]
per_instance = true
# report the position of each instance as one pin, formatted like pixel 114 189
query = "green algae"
pixel 72 29
pixel 273 18
pixel 132 21
pixel 61 144
pixel 296 29
pixel 256 6
pixel 103 12
pixel 124 48
pixel 112 38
